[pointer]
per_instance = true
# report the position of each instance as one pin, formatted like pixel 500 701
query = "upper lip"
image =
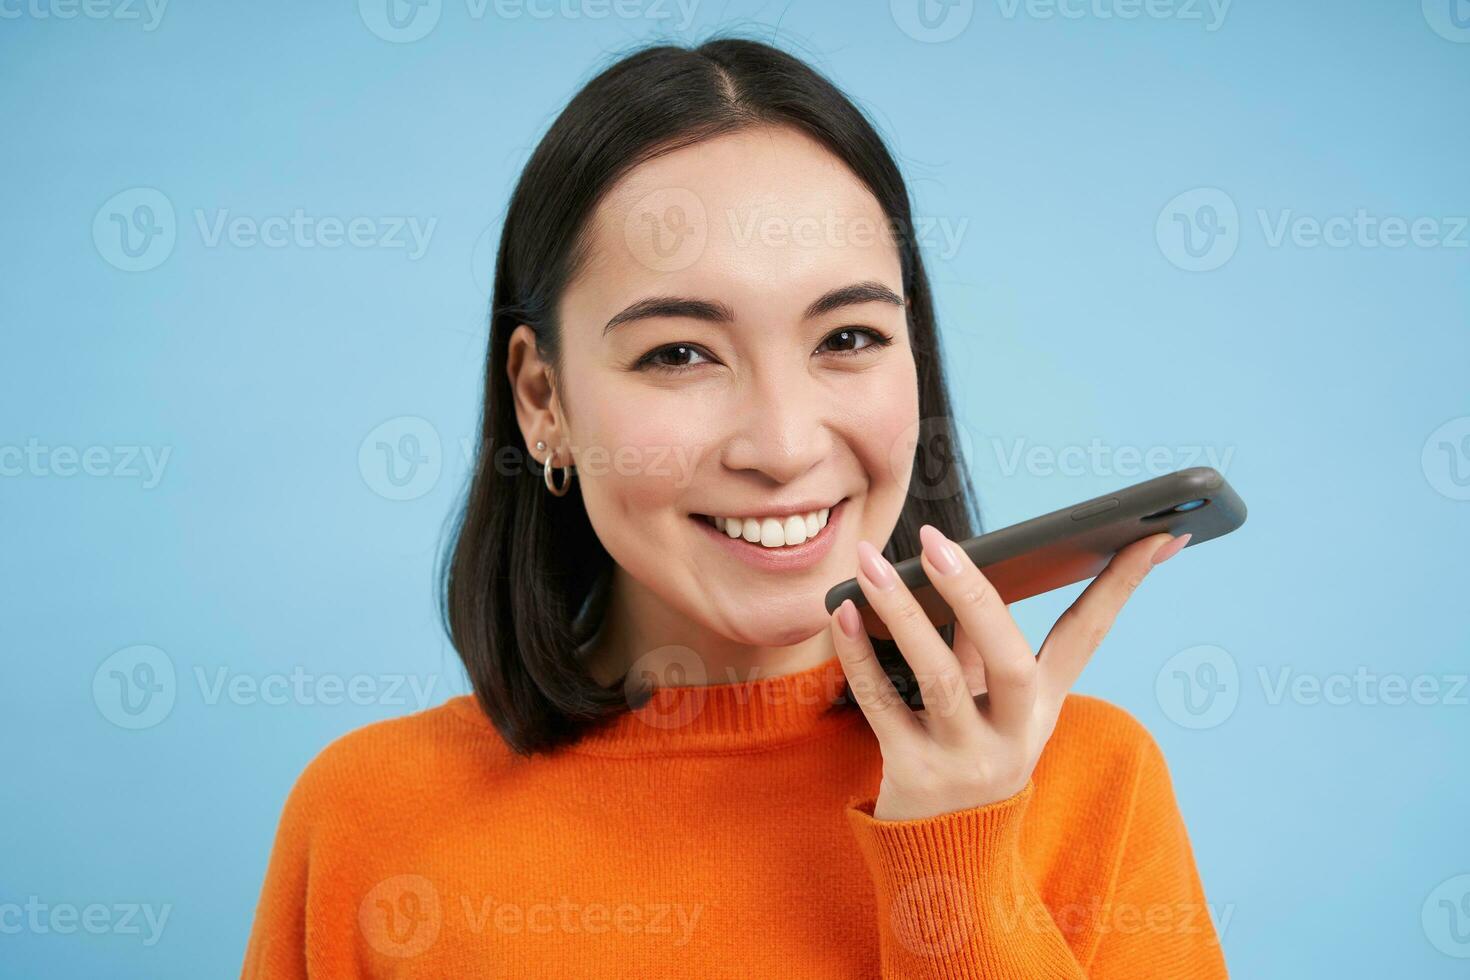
pixel 778 510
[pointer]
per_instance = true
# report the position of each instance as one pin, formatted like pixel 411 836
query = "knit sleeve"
pixel 955 900
pixel 1158 923
pixel 277 945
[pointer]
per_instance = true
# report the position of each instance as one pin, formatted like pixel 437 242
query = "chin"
pixel 789 630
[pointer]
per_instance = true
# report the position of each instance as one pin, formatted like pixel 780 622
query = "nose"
pixel 783 425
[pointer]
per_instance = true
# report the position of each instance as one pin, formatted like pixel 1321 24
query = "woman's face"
pixel 724 356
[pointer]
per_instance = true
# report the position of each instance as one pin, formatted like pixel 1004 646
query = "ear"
pixel 533 387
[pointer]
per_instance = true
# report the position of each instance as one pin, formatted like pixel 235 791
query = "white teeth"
pixel 771 534
pixel 795 529
pixel 774 532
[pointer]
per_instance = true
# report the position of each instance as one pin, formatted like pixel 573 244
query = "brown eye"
pixel 674 357
pixel 849 340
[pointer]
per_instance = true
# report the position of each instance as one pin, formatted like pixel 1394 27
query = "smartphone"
pixel 1074 543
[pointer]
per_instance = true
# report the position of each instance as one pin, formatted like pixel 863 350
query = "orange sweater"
pixel 724 831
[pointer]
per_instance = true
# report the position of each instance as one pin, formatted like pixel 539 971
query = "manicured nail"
pixel 849 619
pixel 876 567
pixel 1171 549
pixel 940 552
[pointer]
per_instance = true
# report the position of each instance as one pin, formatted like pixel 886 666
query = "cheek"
pixel 638 453
pixel 636 462
pixel 883 427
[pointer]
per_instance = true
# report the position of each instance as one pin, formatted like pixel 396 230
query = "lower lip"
pixel 789 558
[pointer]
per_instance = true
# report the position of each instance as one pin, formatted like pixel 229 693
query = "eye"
pixel 678 358
pixel 848 336
pixel 671 358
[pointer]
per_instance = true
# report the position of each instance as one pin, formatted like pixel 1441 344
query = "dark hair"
pixel 523 583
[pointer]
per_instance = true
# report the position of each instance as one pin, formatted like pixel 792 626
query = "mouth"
pixel 775 555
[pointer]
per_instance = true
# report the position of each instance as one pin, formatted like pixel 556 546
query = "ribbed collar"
pixel 727 718
pixel 716 719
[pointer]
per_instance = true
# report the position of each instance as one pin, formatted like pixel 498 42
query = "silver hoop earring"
pixel 566 483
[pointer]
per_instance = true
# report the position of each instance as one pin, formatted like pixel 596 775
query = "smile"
pixel 790 542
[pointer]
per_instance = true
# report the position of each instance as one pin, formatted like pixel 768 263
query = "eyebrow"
pixel 870 291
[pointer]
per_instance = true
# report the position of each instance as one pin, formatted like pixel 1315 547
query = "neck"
pixel 641 634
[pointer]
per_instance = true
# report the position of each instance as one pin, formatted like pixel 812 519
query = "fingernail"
pixel 876 567
pixel 849 619
pixel 1171 549
pixel 940 552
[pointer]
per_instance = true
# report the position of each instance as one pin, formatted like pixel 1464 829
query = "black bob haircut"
pixel 524 578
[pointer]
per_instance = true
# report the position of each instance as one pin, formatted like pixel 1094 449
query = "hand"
pixel 964 750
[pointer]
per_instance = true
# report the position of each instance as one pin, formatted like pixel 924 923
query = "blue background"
pixel 1318 376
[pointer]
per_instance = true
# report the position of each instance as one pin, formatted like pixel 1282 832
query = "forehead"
pixel 764 219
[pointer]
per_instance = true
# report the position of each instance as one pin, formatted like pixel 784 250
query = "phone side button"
pixel 1093 509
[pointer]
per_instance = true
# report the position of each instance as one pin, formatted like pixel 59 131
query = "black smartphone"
pixel 1074 543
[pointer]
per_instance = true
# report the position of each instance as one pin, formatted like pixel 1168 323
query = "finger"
pixel 971 665
pixel 1010 666
pixel 1080 630
pixel 948 706
pixel 889 717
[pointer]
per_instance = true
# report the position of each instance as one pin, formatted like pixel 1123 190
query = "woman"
pixel 713 332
